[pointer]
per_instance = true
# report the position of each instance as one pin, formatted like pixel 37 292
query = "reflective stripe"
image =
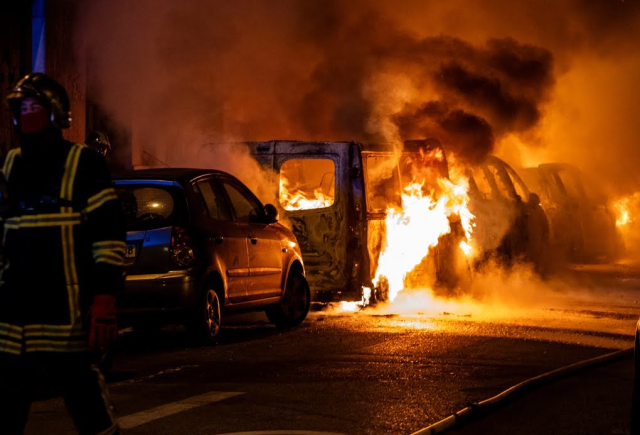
pixel 97 200
pixel 69 262
pixel 11 330
pixel 10 347
pixel 70 169
pixel 111 244
pixel 68 247
pixel 53 331
pixel 8 161
pixel 44 220
pixel 110 251
pixel 54 346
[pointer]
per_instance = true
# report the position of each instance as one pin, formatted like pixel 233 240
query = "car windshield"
pixel 150 206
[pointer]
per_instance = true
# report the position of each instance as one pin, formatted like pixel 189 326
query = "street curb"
pixel 478 409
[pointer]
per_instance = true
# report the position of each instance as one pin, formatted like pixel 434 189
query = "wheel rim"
pixel 296 299
pixel 212 313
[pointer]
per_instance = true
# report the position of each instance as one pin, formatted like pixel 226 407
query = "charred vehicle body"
pixel 582 226
pixel 509 218
pixel 336 196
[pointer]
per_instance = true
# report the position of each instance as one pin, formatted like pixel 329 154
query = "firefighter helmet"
pixel 46 90
pixel 99 142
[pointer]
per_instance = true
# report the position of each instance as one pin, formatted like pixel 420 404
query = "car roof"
pixel 180 175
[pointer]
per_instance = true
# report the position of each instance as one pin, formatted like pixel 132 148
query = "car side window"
pixel 245 206
pixel 214 202
pixel 518 184
pixel 501 183
pixel 483 185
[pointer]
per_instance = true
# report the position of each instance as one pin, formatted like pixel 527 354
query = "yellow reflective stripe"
pixel 97 200
pixel 109 251
pixel 44 220
pixel 70 169
pixel 71 276
pixel 110 260
pixel 53 331
pixel 68 248
pixel 113 244
pixel 5 333
pixel 6 328
pixel 8 161
pixel 10 347
pixel 54 346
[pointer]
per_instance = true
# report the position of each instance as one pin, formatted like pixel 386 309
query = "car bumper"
pixel 175 290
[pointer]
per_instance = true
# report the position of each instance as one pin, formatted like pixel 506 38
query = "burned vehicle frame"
pixel 341 234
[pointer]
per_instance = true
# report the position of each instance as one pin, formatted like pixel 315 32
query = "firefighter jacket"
pixel 63 244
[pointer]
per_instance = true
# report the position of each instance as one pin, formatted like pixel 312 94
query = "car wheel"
pixel 295 304
pixel 207 319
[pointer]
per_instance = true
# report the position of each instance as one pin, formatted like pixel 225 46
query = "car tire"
pixel 295 304
pixel 206 319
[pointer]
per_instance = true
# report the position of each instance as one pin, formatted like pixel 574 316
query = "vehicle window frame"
pixel 502 174
pixel 217 190
pixel 245 191
pixel 515 179
pixel 335 178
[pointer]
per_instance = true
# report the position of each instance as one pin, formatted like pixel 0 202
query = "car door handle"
pixel 219 240
pixel 253 240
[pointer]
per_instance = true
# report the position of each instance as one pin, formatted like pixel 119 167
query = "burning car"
pixel 342 198
pixel 509 219
pixel 200 245
pixel 582 226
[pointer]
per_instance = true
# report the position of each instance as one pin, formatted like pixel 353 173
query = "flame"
pixel 357 306
pixel 415 229
pixel 622 208
pixel 297 199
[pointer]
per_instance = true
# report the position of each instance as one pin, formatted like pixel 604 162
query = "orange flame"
pixel 622 208
pixel 413 231
pixel 298 199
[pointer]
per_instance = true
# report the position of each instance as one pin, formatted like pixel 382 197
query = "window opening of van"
pixel 307 184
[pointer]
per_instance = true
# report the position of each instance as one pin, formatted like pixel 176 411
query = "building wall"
pixel 62 62
pixel 15 61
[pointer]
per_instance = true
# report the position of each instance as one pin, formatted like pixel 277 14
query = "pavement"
pixel 592 402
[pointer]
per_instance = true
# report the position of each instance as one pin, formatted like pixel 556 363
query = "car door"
pixel 264 241
pixel 225 240
pixel 315 193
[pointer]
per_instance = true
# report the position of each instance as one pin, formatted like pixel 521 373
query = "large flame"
pixel 417 228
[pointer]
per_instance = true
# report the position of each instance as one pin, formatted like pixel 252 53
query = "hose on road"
pixel 475 410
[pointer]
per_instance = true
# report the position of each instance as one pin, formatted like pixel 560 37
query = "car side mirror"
pixel 270 213
pixel 534 198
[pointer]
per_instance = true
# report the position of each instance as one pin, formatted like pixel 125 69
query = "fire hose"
pixel 475 410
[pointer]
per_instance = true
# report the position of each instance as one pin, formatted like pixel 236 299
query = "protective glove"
pixel 103 330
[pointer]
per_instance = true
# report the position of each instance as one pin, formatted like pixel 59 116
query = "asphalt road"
pixel 391 371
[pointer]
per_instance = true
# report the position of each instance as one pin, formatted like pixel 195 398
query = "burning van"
pixel 339 198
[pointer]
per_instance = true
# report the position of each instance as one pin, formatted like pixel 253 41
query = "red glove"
pixel 103 330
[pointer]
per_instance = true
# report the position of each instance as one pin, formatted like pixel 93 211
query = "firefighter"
pixel 63 262
pixel 99 142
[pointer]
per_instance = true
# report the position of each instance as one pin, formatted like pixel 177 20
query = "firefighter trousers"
pixel 73 376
